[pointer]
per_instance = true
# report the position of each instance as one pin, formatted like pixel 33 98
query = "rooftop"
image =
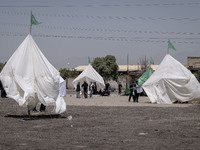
pixel 122 68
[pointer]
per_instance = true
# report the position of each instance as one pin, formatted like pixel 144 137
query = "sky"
pixel 73 30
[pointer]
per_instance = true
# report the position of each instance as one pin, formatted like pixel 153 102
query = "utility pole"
pixel 127 78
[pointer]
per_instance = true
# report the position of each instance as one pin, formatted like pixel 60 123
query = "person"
pixel 107 86
pixel 131 94
pixel 95 88
pixel 34 109
pixel 85 89
pixel 78 90
pixel 91 86
pixel 107 89
pixel 120 88
pixel 136 91
pixel 42 107
pixel 3 92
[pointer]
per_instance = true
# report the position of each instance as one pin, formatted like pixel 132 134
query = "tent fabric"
pixel 90 75
pixel 145 76
pixel 62 87
pixel 28 76
pixel 171 82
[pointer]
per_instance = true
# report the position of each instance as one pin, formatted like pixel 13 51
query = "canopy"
pixel 172 82
pixel 145 76
pixel 28 76
pixel 90 75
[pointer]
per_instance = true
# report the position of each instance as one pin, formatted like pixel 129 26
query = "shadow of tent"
pixel 36 117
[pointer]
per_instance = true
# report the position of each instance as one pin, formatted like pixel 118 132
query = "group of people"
pixel 92 87
pixel 106 91
pixel 135 91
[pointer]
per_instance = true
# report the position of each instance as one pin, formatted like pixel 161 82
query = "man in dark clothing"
pixel 120 88
pixel 131 94
pixel 85 89
pixel 42 107
pixel 78 89
pixel 95 88
pixel 136 96
pixel 106 91
pixel 3 92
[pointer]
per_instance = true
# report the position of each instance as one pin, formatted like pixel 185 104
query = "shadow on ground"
pixel 35 117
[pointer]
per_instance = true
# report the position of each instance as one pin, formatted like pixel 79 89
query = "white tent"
pixel 29 78
pixel 172 82
pixel 90 75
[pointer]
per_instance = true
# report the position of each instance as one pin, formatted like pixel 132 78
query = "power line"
pixel 111 5
pixel 104 38
pixel 72 28
pixel 75 16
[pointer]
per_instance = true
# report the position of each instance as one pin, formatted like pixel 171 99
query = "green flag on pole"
pixel 33 20
pixel 145 76
pixel 171 46
pixel 151 61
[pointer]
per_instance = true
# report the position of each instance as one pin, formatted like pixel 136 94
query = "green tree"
pixel 197 75
pixel 2 65
pixel 66 73
pixel 106 67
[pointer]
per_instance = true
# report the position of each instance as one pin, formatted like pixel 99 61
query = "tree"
pixel 2 65
pixel 106 67
pixel 66 73
pixel 144 63
pixel 197 75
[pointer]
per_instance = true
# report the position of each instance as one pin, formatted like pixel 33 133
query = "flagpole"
pixel 33 21
pixel 167 50
pixel 167 47
pixel 30 23
pixel 30 28
pixel 127 77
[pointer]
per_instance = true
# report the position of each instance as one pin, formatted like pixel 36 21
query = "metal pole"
pixel 30 28
pixel 168 46
pixel 128 67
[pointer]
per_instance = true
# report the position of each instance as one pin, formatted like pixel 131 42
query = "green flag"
pixel 171 46
pixel 151 61
pixel 33 20
pixel 145 76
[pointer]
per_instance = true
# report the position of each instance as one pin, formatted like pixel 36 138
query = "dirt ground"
pixel 101 123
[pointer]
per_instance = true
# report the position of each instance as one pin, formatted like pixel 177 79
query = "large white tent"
pixel 90 75
pixel 171 82
pixel 29 78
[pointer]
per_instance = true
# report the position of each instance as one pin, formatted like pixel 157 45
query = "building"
pixel 132 70
pixel 123 69
pixel 193 64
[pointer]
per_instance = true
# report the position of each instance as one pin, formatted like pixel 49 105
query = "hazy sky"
pixel 73 30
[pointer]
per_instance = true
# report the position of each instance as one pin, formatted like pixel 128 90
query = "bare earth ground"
pixel 101 123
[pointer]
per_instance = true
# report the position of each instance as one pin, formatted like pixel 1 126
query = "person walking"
pixel 119 88
pixel 85 89
pixel 131 94
pixel 78 90
pixel 91 86
pixel 136 91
